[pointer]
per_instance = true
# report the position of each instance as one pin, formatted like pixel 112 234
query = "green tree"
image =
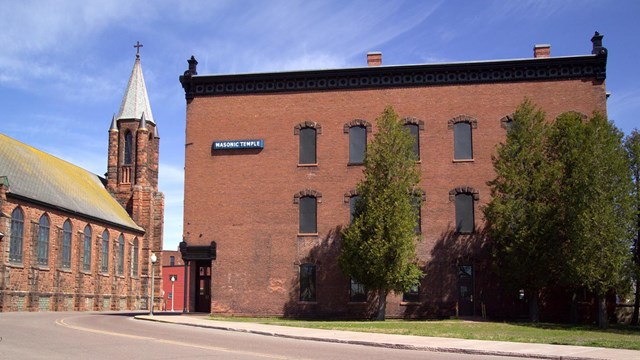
pixel 632 145
pixel 521 215
pixel 594 203
pixel 379 247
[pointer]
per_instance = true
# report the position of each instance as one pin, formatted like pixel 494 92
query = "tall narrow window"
pixel 172 261
pixel 464 213
pixel 105 252
pixel 353 201
pixel 462 142
pixel 134 258
pixel 86 253
pixel 66 244
pixel 357 144
pixel 307 146
pixel 128 147
pixel 120 264
pixel 357 292
pixel 308 215
pixel 43 240
pixel 415 133
pixel 17 233
pixel 307 282
pixel 416 203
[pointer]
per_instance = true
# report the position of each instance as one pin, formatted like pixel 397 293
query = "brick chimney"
pixel 542 51
pixel 374 59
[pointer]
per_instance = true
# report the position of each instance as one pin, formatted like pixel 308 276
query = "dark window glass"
pixel 86 254
pixel 414 130
pixel 464 213
pixel 307 146
pixel 105 251
pixel 172 261
pixel 17 233
pixel 128 146
pixel 66 244
pixel 308 215
pixel 357 144
pixel 352 207
pixel 462 143
pixel 43 240
pixel 412 295
pixel 307 282
pixel 357 292
pixel 415 202
pixel 134 258
pixel 120 255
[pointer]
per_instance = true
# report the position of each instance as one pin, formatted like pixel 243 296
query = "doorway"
pixel 203 286
pixel 465 290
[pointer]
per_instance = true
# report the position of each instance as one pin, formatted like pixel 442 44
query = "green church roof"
pixel 43 178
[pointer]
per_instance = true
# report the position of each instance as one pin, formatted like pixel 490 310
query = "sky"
pixel 64 64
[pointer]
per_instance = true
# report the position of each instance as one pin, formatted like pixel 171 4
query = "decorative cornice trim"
pixel 555 68
pixel 357 122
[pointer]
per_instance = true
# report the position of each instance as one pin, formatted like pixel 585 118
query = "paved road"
pixel 118 336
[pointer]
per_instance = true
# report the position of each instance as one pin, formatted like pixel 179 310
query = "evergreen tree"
pixel 521 215
pixel 632 145
pixel 595 203
pixel 379 247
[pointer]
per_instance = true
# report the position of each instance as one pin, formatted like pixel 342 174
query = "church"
pixel 272 161
pixel 71 240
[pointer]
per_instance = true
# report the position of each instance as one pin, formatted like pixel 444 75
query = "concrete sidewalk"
pixel 419 343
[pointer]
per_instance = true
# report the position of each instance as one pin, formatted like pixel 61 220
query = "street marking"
pixel 61 322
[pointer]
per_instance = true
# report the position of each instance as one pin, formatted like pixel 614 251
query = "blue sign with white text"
pixel 237 144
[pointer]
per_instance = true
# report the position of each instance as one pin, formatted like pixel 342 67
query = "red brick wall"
pixel 244 199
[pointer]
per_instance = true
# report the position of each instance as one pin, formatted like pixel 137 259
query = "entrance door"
pixel 465 290
pixel 203 286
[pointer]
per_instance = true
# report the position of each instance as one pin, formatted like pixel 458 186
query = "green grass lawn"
pixel 621 337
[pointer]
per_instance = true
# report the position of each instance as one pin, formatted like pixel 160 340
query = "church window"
pixel 128 148
pixel 462 141
pixel 134 258
pixel 105 252
pixel 86 253
pixel 357 144
pixel 66 244
pixel 307 282
pixel 464 213
pixel 357 292
pixel 308 146
pixel 17 233
pixel 308 215
pixel 43 240
pixel 120 255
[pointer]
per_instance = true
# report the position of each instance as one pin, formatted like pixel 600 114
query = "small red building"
pixel 172 281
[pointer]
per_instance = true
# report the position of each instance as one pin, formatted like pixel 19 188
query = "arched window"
pixel 462 143
pixel 308 215
pixel 134 258
pixel 307 282
pixel 128 148
pixel 307 146
pixel 120 255
pixel 43 240
pixel 67 230
pixel 465 198
pixel 357 144
pixel 105 252
pixel 86 253
pixel 17 233
pixel 414 126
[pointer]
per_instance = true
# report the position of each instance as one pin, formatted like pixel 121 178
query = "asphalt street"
pixel 51 335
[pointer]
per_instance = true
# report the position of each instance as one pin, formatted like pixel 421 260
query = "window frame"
pixel 308 282
pixel 104 263
pixel 67 234
pixel 16 240
pixel 44 229
pixel 355 148
pixel 462 214
pixel 412 295
pixel 134 257
pixel 360 294
pixel 308 146
pixel 127 158
pixel 462 141
pixel 308 203
pixel 86 251
pixel 121 252
pixel 416 136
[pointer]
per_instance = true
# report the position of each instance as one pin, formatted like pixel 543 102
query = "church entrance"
pixel 203 286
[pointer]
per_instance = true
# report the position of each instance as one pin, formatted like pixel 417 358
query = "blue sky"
pixel 64 64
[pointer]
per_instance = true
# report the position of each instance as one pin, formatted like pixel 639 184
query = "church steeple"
pixel 135 100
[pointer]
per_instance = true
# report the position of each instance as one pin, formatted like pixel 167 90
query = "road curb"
pixel 369 343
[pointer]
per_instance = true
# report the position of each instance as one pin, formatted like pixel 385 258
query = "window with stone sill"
pixel 17 235
pixel 43 240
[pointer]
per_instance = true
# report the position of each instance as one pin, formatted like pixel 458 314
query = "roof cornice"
pixel 517 70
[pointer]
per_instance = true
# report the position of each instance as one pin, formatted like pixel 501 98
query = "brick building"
pixel 173 268
pixel 272 162
pixel 76 241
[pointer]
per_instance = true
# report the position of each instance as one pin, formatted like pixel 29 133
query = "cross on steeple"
pixel 138 46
